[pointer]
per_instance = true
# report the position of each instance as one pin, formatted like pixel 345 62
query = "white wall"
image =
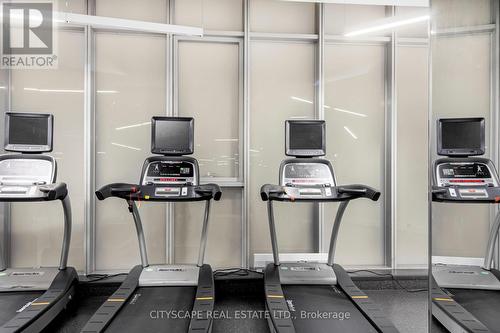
pixel 132 83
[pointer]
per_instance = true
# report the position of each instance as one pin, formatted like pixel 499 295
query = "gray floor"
pixel 408 311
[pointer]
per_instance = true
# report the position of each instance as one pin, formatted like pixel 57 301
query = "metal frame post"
pixel 140 233
pixel 335 232
pixel 204 235
pixel 66 204
pixel 272 229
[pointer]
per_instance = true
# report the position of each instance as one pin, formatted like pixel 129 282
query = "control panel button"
pixel 167 191
pixel 328 191
pixel 184 191
pixel 453 193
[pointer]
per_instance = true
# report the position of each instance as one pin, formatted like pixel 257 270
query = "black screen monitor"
pixel 172 135
pixel 305 138
pixel 28 132
pixel 460 136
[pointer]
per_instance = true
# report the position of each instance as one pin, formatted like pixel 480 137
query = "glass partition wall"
pixel 464 73
pixel 259 63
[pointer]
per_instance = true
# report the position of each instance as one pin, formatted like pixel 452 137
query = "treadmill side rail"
pixel 371 311
pixel 204 302
pixel 107 311
pixel 275 301
pixel 452 315
pixel 45 308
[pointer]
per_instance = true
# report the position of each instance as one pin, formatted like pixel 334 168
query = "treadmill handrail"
pixel 135 192
pixel 345 192
pixel 51 192
pixel 56 191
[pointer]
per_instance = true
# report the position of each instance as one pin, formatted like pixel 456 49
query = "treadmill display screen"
pixel 28 132
pixel 305 137
pixel 159 169
pixel 461 136
pixel 298 171
pixel 172 136
pixel 475 170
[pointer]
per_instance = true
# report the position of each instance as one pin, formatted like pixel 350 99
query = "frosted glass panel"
pixel 154 11
pixel 457 13
pixel 71 6
pixel 354 111
pixel 209 91
pixel 281 16
pixel 224 230
pixel 37 228
pixel 129 93
pixel 412 155
pixel 340 19
pixel 461 88
pixel 210 14
pixel 282 87
pixel 419 29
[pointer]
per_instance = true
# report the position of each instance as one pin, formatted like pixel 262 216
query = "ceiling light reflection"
pixel 132 126
pixel 125 146
pixel 350 132
pixel 351 112
pixel 392 22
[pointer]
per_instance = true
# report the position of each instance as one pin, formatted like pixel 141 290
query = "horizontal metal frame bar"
pixel 209 39
pixel 221 33
pixel 125 24
pixel 130 33
pixel 68 28
pixel 465 30
pixel 282 36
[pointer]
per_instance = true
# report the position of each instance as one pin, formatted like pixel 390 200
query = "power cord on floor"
pixel 235 272
pixel 393 278
pixel 99 277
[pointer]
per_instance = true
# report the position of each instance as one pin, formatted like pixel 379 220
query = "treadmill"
pixel 162 298
pixel 30 298
pixel 297 293
pixel 466 298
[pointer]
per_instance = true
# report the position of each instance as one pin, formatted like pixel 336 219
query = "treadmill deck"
pixel 12 302
pixel 150 309
pixel 482 304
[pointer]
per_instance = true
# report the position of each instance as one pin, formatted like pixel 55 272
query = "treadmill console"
pixel 170 176
pixel 467 179
pixel 170 172
pixel 307 179
pixel 21 176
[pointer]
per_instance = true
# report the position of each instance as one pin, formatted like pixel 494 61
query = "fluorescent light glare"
pixel 54 90
pixel 125 146
pixel 301 100
pixel 132 126
pixel 305 101
pixel 388 25
pixel 351 112
pixel 350 132
pixel 226 140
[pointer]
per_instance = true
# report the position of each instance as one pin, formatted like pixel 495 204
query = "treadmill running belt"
pixel 11 302
pixel 142 313
pixel 306 302
pixel 482 304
